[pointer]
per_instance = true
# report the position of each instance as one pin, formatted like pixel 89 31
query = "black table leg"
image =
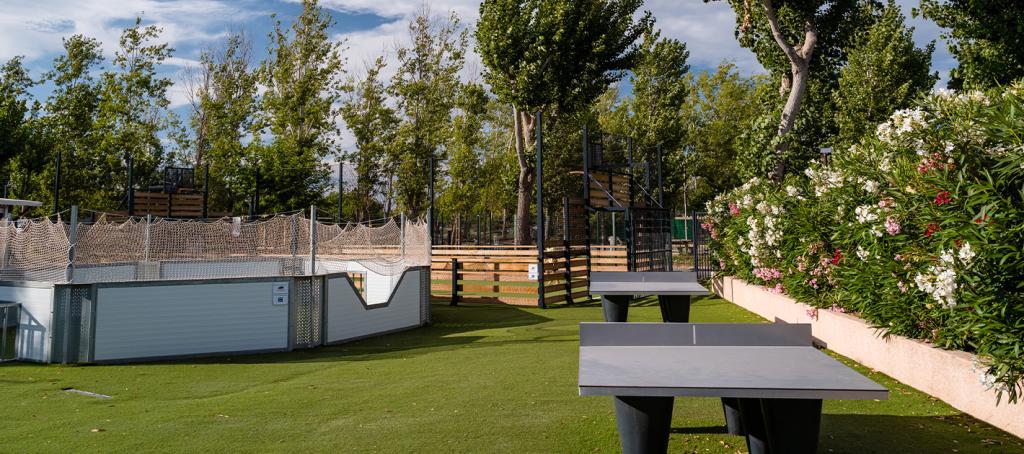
pixel 733 418
pixel 616 307
pixel 674 308
pixel 643 423
pixel 753 424
pixel 792 425
pixel 781 426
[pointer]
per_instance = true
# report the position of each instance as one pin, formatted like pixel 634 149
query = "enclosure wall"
pixel 350 317
pixel 35 320
pixel 150 321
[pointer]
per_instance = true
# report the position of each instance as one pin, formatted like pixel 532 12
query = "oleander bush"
pixel 918 228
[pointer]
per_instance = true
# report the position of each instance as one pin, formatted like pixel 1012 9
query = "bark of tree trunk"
pixel 796 82
pixel 522 128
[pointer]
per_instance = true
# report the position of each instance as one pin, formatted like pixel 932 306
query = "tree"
pixel 426 87
pixel 461 194
pixel 719 104
pixel 222 94
pixel 790 37
pixel 69 125
pixel 557 57
pixel 132 114
pixel 375 127
pixel 984 36
pixel 303 87
pixel 15 83
pixel 885 72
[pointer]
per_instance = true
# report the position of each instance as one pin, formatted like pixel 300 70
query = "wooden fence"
pixel 502 274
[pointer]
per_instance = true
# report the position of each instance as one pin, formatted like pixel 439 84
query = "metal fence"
pixel 703 264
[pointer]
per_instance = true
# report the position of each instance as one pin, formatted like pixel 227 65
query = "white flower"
pixel 866 213
pixel 862 253
pixel 966 253
pixel 870 186
pixel 939 281
pixel 792 191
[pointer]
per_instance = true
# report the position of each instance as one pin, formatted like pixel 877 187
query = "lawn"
pixel 481 379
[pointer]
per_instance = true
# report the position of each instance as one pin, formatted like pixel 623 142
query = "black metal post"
pixel 341 188
pixel 538 121
pixel 206 190
pixel 628 215
pixel 455 282
pixel 254 206
pixel 586 166
pixel 661 183
pixel 694 241
pixel 56 186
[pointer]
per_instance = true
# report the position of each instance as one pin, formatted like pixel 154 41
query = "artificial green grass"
pixel 483 378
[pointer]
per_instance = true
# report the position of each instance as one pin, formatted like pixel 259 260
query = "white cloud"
pixel 34 28
pixel 708 31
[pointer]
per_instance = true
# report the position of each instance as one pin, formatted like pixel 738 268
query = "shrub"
pixel 919 229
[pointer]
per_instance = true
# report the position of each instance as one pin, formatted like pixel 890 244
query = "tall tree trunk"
pixel 522 128
pixel 799 60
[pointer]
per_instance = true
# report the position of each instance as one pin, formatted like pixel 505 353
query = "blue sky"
pixel 34 28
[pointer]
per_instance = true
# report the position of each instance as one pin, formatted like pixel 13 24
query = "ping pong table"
pixel 673 289
pixel 777 376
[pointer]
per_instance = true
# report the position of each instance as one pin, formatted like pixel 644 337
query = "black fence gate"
pixel 651 239
pixel 703 264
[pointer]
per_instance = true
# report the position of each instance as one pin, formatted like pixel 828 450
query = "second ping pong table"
pixel 673 289
pixel 777 376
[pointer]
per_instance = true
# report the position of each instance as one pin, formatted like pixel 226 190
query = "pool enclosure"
pixel 143 289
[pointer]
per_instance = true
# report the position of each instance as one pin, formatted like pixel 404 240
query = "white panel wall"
pixel 113 273
pixel 204 270
pixel 35 322
pixel 172 320
pixel 379 287
pixel 347 318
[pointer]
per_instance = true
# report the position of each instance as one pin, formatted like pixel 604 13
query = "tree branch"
pixel 773 22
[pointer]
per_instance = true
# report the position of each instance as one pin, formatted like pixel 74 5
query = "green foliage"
pixel 375 127
pixel 885 72
pixel 303 88
pixel 461 195
pixel 984 36
pixel 426 88
pixel 14 109
pixel 718 105
pixel 917 228
pixel 225 106
pixel 557 55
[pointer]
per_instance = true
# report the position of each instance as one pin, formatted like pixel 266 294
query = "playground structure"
pixel 79 292
pixel 556 268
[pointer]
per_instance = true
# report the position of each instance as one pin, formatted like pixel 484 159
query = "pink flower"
pixel 902 286
pixel 767 274
pixel 813 313
pixel 942 198
pixel 777 289
pixel 885 203
pixel 837 308
pixel 931 229
pixel 892 226
pixel 733 209
pixel 814 283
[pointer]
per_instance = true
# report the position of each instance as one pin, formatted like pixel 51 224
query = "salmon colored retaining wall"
pixel 947 375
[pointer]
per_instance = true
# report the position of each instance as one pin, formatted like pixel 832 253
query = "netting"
pixel 143 250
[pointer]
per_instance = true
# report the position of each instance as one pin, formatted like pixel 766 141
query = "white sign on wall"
pixel 531 272
pixel 279 296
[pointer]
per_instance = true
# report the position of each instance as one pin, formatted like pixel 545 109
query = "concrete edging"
pixel 944 374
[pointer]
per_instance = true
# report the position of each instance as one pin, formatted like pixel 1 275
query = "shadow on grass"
pixel 443 333
pixel 862 434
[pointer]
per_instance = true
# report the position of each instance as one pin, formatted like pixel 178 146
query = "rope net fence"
pixel 139 249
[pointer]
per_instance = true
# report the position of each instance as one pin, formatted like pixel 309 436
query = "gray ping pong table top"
pixel 714 360
pixel 646 283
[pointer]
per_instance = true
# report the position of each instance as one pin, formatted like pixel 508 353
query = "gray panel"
pixel 691 334
pixel 713 359
pixel 35 319
pixel 205 269
pixel 746 371
pixel 646 283
pixel 188 319
pixel 348 317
